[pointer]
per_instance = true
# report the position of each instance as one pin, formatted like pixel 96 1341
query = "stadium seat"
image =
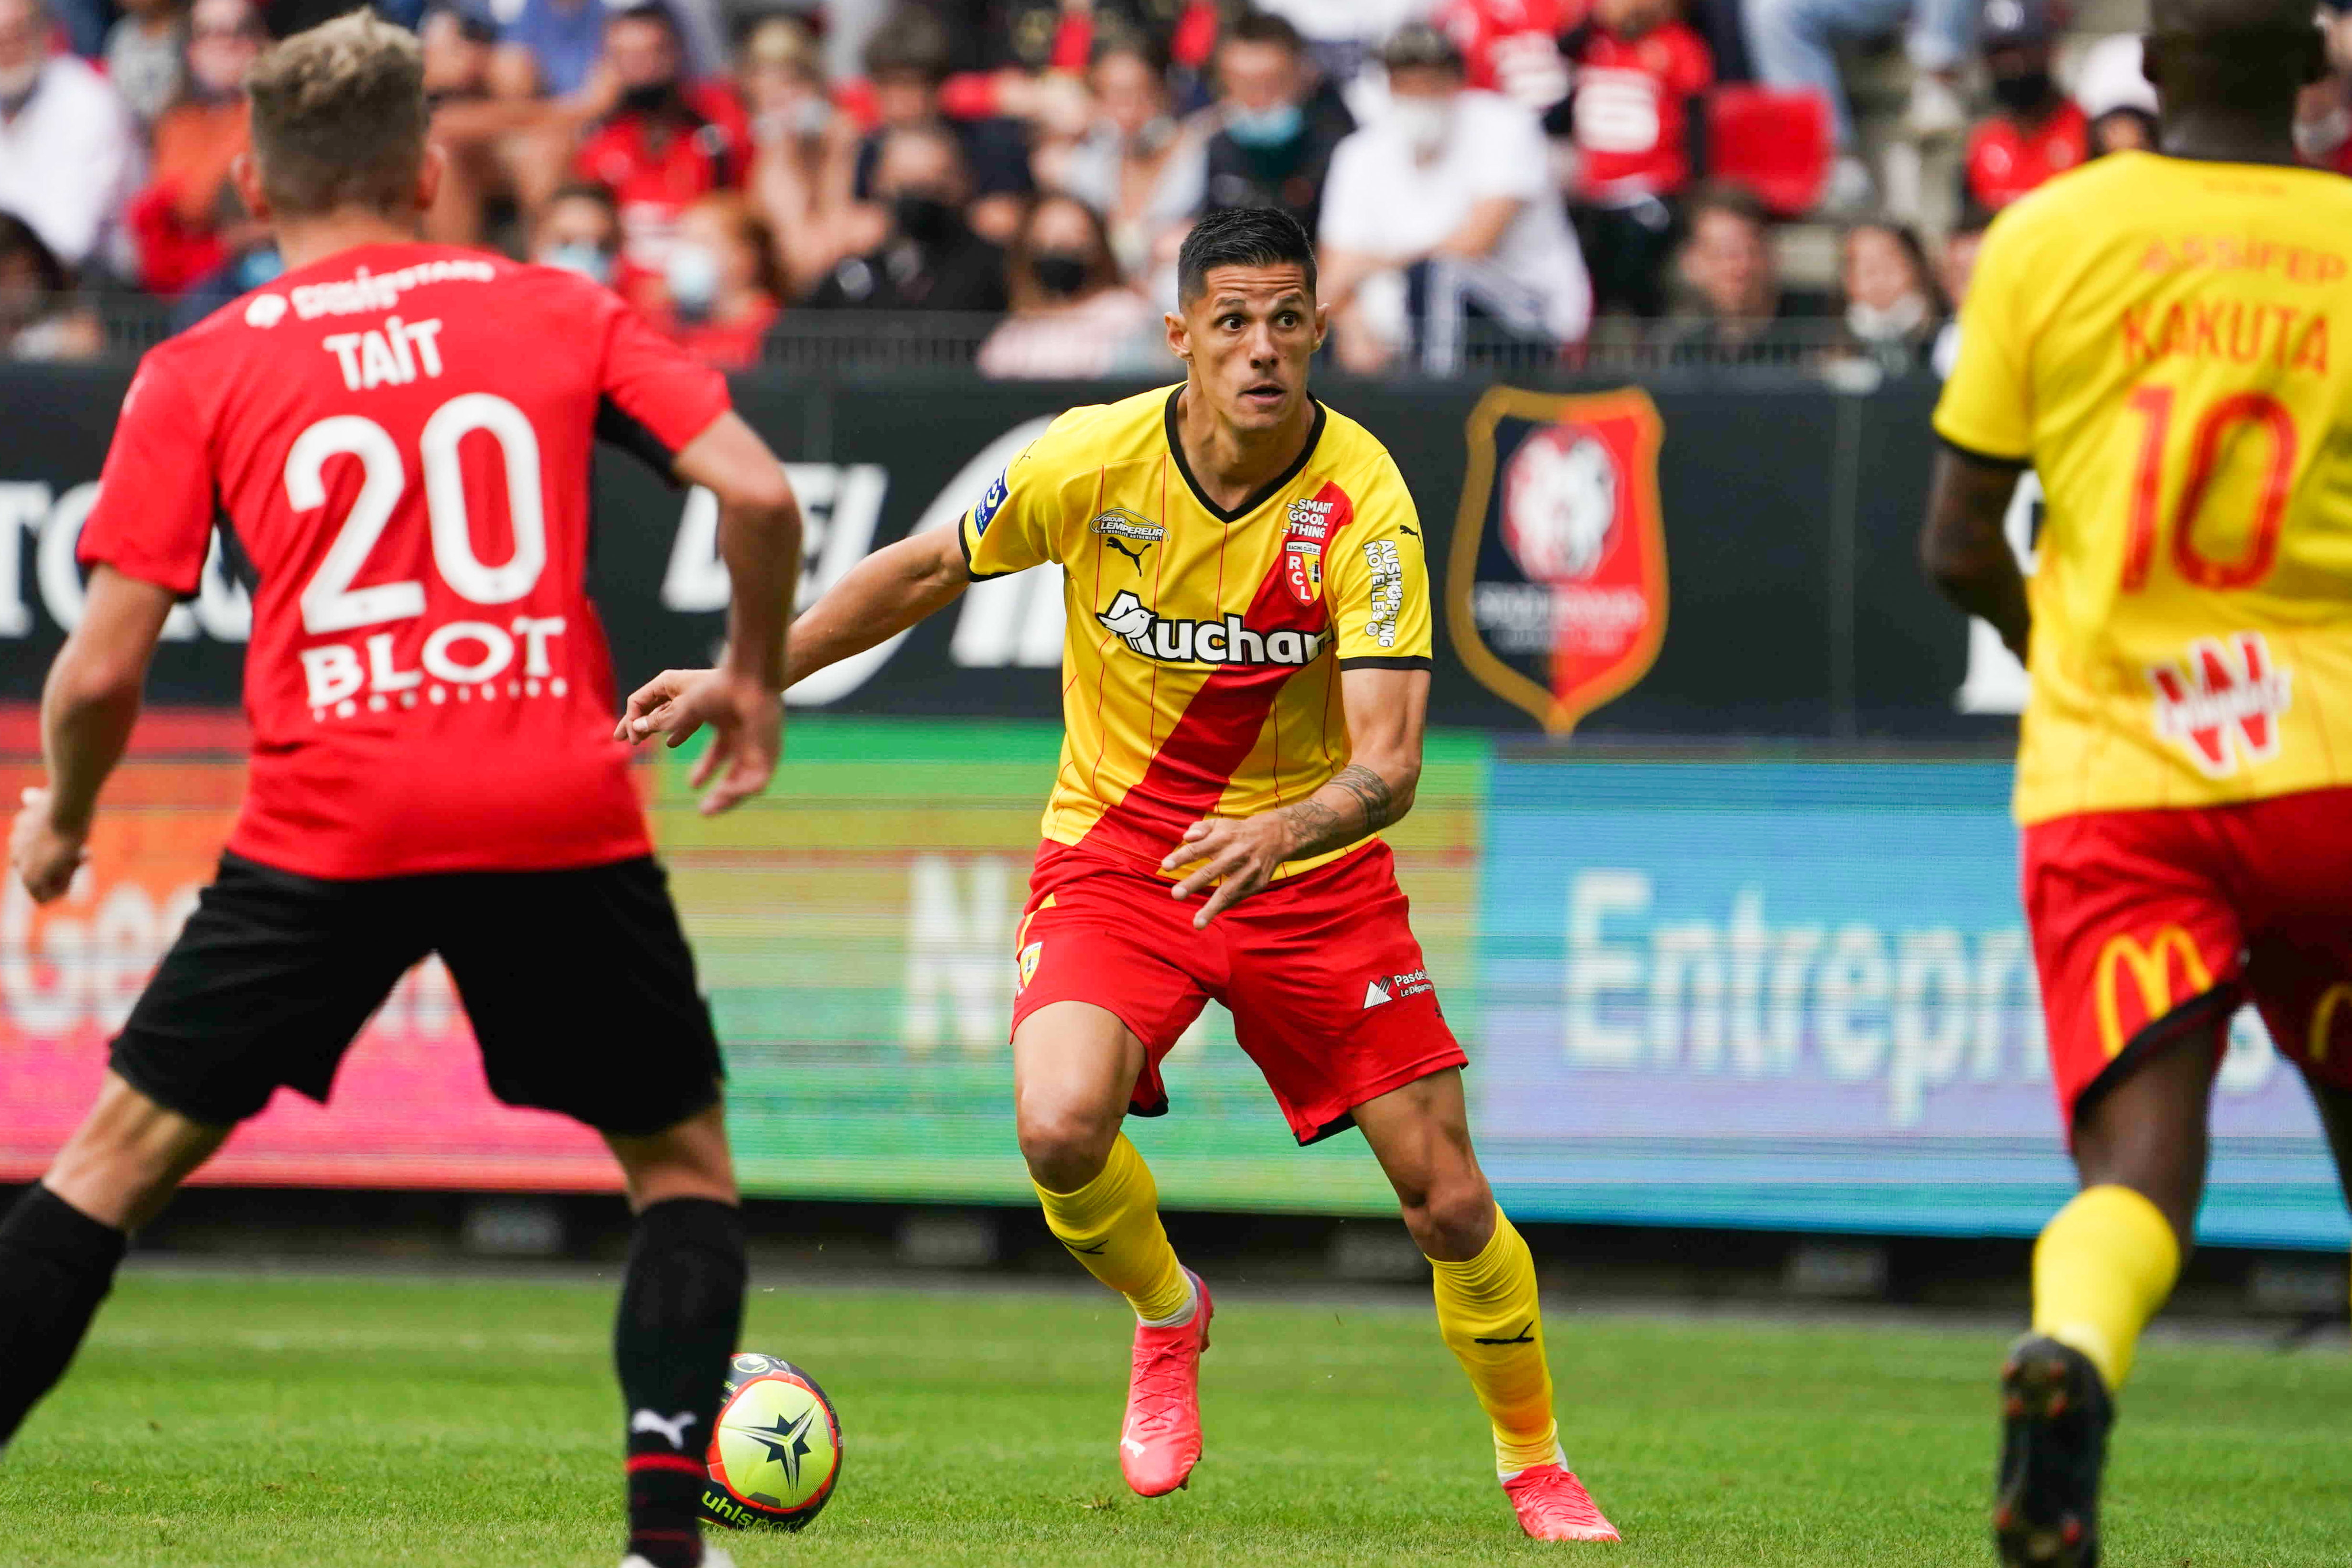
pixel 1775 142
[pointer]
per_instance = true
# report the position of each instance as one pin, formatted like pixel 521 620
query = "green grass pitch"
pixel 299 1422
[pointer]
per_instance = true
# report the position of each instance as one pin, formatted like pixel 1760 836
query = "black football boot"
pixel 2055 1412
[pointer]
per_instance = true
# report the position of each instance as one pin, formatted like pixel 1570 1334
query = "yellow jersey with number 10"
pixel 1201 670
pixel 2169 342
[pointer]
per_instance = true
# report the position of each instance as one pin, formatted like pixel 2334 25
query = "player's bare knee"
pixel 1065 1147
pixel 1454 1218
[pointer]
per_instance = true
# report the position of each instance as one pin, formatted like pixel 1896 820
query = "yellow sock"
pixel 1112 1226
pixel 2104 1264
pixel 1487 1311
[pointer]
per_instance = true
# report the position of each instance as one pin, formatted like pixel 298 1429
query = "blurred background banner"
pixel 1798 995
pixel 411 1109
pixel 1796 606
pixel 1783 993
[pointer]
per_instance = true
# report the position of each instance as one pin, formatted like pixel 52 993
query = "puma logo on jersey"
pixel 670 1427
pixel 1227 641
pixel 1128 533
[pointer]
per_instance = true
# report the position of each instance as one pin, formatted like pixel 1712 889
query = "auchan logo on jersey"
pixel 2224 706
pixel 1226 641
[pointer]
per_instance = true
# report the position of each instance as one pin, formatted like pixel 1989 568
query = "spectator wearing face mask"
pixel 2037 130
pixel 1635 116
pixel 669 141
pixel 906 63
pixel 68 149
pixel 579 230
pixel 1123 165
pixel 143 55
pixel 1893 310
pixel 930 259
pixel 1442 230
pixel 1279 124
pixel 1072 318
pixel 804 151
pixel 720 282
pixel 189 221
pixel 1733 299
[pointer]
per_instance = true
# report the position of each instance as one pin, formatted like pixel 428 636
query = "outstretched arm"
pixel 87 707
pixel 882 595
pixel 1966 552
pixel 760 540
pixel 1386 710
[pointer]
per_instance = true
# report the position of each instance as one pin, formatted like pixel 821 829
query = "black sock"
pixel 681 1308
pixel 57 1264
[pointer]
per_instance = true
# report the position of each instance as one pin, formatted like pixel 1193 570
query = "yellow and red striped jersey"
pixel 1200 672
pixel 2157 337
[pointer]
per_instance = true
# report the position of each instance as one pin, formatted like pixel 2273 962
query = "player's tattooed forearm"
pixel 1314 828
pixel 1371 791
pixel 1317 826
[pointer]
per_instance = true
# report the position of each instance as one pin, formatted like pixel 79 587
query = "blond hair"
pixel 339 118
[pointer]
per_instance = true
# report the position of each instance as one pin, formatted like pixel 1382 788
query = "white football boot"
pixel 712 1557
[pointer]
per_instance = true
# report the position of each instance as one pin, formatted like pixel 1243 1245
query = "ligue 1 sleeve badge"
pixel 1556 586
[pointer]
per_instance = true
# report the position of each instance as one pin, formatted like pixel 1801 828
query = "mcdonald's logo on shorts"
pixel 2150 967
pixel 2333 1000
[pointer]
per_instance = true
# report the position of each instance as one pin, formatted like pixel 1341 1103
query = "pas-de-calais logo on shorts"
pixel 1027 964
pixel 1555 585
pixel 1389 988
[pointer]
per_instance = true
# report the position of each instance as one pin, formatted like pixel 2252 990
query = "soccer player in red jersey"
pixel 396 438
pixel 1246 675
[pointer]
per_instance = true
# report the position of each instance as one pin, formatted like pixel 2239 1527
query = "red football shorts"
pixel 2138 916
pixel 1328 991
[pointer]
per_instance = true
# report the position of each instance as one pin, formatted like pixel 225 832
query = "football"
pixel 775 1452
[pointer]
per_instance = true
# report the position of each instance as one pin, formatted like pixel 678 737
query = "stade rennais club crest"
pixel 1556 586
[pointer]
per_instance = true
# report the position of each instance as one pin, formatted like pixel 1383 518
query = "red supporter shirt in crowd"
pixel 1512 46
pixel 1632 113
pixel 398 439
pixel 658 167
pixel 2005 162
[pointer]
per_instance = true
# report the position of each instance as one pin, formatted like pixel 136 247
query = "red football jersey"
pixel 2004 162
pixel 656 171
pixel 1512 46
pixel 398 439
pixel 1633 108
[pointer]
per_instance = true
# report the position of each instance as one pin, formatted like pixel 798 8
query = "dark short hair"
pixel 654 11
pixel 1732 201
pixel 1418 45
pixel 19 240
pixel 1241 237
pixel 911 41
pixel 595 191
pixel 1265 27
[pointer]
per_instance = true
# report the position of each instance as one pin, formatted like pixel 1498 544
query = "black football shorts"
pixel 579 984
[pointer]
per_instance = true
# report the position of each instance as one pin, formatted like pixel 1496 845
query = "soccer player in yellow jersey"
pixel 1244 686
pixel 2167 337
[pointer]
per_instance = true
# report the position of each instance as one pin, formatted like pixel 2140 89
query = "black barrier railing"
pixel 118 327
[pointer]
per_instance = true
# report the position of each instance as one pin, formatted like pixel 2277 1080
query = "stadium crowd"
pixel 1502 180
